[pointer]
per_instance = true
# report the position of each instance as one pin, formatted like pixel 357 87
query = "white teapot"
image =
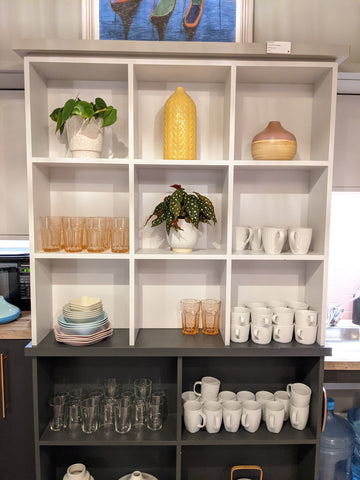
pixel 136 475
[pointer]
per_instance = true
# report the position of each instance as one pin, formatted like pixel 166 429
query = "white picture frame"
pixel 244 20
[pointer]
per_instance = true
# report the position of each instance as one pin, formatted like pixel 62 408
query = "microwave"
pixel 15 277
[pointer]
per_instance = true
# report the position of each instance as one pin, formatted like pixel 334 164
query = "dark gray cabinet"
pixel 17 460
pixel 172 453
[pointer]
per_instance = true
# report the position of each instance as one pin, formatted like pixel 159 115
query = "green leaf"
pixel 159 207
pixel 83 109
pixel 160 219
pixel 169 222
pixel 109 117
pixel 207 207
pixel 67 110
pixel 55 114
pixel 59 124
pixel 192 208
pixel 100 103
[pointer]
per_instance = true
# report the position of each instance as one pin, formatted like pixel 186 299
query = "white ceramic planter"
pixel 183 241
pixel 77 471
pixel 85 137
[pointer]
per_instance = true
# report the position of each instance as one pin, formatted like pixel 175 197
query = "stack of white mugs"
pixel 277 320
pixel 210 408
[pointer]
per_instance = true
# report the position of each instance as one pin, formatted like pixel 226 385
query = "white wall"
pixel 310 21
pixel 36 19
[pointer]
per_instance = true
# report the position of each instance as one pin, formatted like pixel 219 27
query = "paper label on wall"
pixel 278 47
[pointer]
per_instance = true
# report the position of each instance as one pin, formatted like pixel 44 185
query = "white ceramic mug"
pixel 299 240
pixel 261 335
pixel 255 240
pixel 213 415
pixel 305 335
pixel 240 333
pixel 300 394
pixel 274 416
pixel 255 304
pixel 261 316
pixel 209 388
pixel 296 305
pixel 231 415
pixel 306 318
pixel 226 396
pixel 242 237
pixel 251 415
pixel 283 333
pixel 276 304
pixel 299 416
pixel 283 397
pixel 241 316
pixel 244 395
pixel 263 397
pixel 194 417
pixel 189 396
pixel 283 315
pixel 273 239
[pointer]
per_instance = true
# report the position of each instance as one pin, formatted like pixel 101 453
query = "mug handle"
pixel 249 237
pixel 256 333
pixel 267 321
pixel 272 421
pixel 292 241
pixel 227 421
pixel 281 238
pixel 277 332
pixel 288 389
pixel 299 333
pixel 294 418
pixel 244 420
pixel 203 420
pixel 194 389
pixel 237 332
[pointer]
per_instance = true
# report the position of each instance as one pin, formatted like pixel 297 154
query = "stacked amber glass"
pixel 76 234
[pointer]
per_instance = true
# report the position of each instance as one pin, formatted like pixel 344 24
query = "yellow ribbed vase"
pixel 179 127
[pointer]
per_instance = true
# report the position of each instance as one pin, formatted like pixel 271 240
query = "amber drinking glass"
pixel 95 234
pixel 210 316
pixel 73 230
pixel 190 315
pixel 50 230
pixel 120 235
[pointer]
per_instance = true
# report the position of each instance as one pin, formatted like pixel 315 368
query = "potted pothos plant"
pixel 84 123
pixel 182 213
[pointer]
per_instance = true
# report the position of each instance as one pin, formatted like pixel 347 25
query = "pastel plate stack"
pixel 83 322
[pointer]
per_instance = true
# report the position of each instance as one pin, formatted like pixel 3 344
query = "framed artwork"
pixel 169 20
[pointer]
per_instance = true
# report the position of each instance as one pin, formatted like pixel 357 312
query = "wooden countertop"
pixel 18 329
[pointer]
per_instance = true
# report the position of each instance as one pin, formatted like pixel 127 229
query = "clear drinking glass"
pixel 107 413
pixel 58 414
pixel 129 395
pixel 210 316
pixel 74 414
pixel 140 414
pixel 142 389
pixel 120 235
pixel 154 415
pixel 190 315
pixel 73 231
pixel 90 415
pixel 50 230
pixel 111 387
pixel 123 416
pixel 159 396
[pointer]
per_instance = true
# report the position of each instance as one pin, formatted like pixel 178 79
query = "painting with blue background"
pixel 132 22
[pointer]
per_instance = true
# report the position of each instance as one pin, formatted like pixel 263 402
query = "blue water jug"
pixel 354 420
pixel 336 447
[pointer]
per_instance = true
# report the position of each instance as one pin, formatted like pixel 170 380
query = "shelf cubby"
pixel 160 285
pixel 297 95
pixel 78 190
pixel 53 82
pixel 153 182
pixel 58 280
pixel 209 87
pixel 288 197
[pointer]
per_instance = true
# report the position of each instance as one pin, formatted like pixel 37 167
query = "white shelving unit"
pixel 235 99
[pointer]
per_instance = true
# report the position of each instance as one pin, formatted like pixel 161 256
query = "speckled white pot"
pixel 183 241
pixel 85 137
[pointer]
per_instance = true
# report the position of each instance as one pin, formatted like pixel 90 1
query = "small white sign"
pixel 278 47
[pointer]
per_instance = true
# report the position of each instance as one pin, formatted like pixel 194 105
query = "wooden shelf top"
pixel 133 48
pixel 18 329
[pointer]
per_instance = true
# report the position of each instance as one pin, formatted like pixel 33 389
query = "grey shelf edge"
pixel 223 50
pixel 171 343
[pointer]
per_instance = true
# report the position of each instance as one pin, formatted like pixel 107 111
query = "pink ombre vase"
pixel 274 143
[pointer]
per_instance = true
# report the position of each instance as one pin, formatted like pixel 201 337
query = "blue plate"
pixel 8 312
